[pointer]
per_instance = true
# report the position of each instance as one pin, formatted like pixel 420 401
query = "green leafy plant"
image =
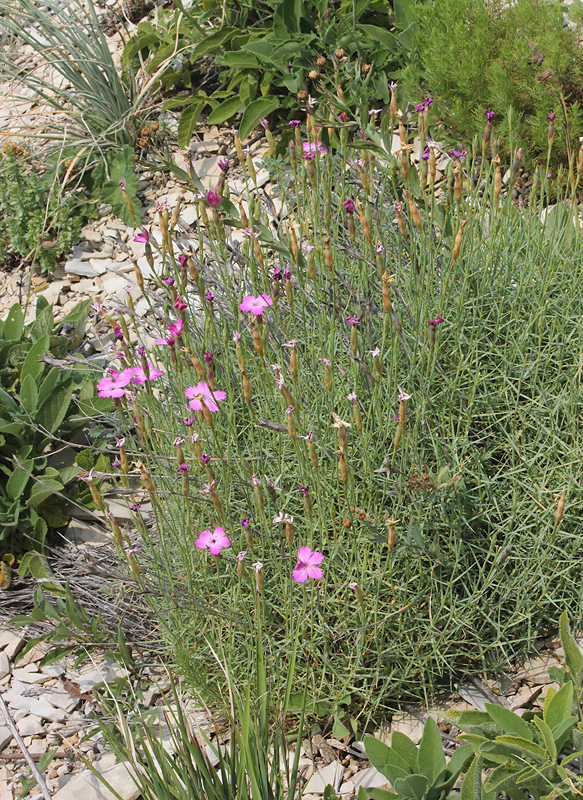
pixel 416 773
pixel 266 55
pixel 38 223
pixel 530 755
pixel 516 59
pixel 114 181
pixel 37 403
pixel 75 75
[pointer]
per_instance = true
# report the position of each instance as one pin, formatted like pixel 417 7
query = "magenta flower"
pixel 214 541
pixel 353 321
pixel 114 385
pixel 427 101
pixel 224 165
pixel 122 183
pixel 349 206
pixel 425 154
pixel 310 149
pixel 169 341
pixel 118 333
pixel 209 296
pixel 208 358
pixel 138 374
pixel 489 114
pixel 188 421
pixel 264 122
pixel 307 565
pixel 179 304
pixel 420 107
pixel 182 466
pixel 183 260
pixel 144 236
pixel 256 305
pixel 552 116
pixel 176 329
pixel 293 123
pixel 202 393
pixel 245 522
pixel 435 322
pixel 168 281
pixel 213 199
pixel 458 153
pixel 304 489
pixel 276 274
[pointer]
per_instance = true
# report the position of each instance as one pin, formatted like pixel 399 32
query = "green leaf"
pixel 472 783
pixel 508 720
pixel 459 761
pixel 54 409
pixel 18 480
pixel 547 737
pixel 500 777
pixel 255 111
pixel 381 35
pixel 573 655
pixel 431 758
pixel 560 707
pixel 239 59
pixel 339 729
pixel 14 323
pixel 8 401
pixel 187 121
pixel 29 394
pixel 414 786
pixel 385 759
pixel 527 745
pixel 32 364
pixel 44 322
pixel 48 384
pixel 79 314
pixel 41 491
pixel 405 748
pixel 224 111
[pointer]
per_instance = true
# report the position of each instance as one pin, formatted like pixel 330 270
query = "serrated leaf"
pixel 254 112
pixel 224 111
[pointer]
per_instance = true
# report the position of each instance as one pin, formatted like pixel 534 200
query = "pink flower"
pixel 179 304
pixel 256 305
pixel 183 260
pixel 349 206
pixel 138 375
pixel 203 393
pixel 353 321
pixel 307 565
pixel 213 199
pixel 435 322
pixel 176 329
pixel 144 236
pixel 169 341
pixel 214 541
pixel 403 396
pixel 114 385
pixel 310 148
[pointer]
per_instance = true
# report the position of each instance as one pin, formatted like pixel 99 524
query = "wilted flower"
pixel 304 489
pixel 183 260
pixel 403 396
pixel 182 466
pixel 245 522
pixel 458 153
pixel 293 123
pixel 224 165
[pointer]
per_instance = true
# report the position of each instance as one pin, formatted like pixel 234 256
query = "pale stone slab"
pixel 331 774
pixel 370 778
pixel 87 786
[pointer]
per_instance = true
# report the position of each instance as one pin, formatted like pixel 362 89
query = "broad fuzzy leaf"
pixel 431 758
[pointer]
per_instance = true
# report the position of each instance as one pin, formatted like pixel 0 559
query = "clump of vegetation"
pixel 38 223
pixel 367 422
pixel 39 401
pixel 518 59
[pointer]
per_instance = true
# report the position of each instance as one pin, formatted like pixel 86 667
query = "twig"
pixel 33 767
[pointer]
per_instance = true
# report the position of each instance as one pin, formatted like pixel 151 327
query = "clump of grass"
pixel 389 377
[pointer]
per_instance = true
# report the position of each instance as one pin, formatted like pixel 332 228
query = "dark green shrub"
pixel 37 401
pixel 497 50
pixel 37 222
